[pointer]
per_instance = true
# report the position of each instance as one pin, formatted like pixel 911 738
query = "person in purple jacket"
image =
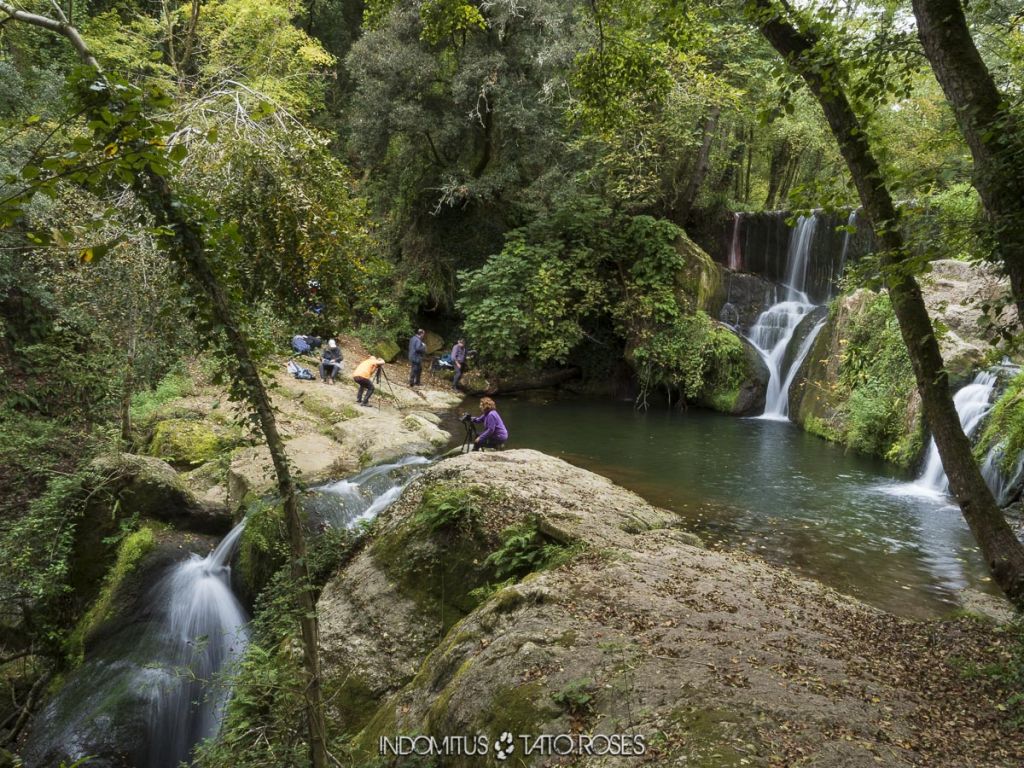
pixel 494 434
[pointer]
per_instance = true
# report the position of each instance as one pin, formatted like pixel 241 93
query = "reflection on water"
pixel 775 490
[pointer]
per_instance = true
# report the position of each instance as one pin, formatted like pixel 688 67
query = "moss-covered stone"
pixel 856 385
pixel 133 548
pixel 387 350
pixel 184 441
pixel 262 548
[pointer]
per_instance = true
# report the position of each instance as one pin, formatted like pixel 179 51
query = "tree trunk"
pixel 1001 548
pixel 733 173
pixel 777 169
pixel 188 245
pixel 995 136
pixel 684 203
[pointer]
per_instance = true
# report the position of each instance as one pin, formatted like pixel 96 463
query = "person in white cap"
pixel 330 362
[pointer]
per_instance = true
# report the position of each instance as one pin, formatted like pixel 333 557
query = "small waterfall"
pixel 798 257
pixel 774 329
pixel 367 494
pixel 735 254
pixel 205 631
pixel 973 403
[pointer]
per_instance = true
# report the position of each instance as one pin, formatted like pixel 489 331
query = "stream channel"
pixel 855 523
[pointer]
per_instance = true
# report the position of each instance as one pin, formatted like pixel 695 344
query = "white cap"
pixel 331 344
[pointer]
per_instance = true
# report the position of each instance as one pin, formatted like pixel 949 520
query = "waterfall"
pixel 367 494
pixel 735 255
pixel 798 257
pixel 972 405
pixel 774 328
pixel 204 628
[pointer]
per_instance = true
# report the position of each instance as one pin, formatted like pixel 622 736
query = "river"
pixel 850 521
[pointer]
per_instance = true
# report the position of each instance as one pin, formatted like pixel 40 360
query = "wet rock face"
pixel 150 488
pixel 745 297
pixel 102 706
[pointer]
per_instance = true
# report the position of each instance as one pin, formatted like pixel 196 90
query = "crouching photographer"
pixel 495 434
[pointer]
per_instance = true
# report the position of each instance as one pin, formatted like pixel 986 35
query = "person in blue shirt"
pixel 416 350
pixel 494 434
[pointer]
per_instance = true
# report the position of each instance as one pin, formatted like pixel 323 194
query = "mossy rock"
pixel 739 381
pixel 387 350
pixel 185 442
pixel 130 553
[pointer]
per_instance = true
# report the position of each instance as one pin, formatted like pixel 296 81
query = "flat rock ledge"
pixel 713 658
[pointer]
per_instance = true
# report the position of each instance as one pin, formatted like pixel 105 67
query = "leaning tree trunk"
pixel 189 247
pixel 995 136
pixel 1003 552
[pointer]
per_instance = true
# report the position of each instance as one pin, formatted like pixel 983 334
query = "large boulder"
pixel 739 382
pixel 382 615
pixel 148 487
pixel 186 442
pixel 634 631
pixel 743 298
pixel 955 293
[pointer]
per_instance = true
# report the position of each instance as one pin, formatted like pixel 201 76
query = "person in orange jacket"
pixel 363 376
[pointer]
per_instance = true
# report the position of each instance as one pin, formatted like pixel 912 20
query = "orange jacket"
pixel 367 368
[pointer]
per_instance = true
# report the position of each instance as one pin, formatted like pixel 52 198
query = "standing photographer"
pixel 494 434
pixel 363 376
pixel 416 350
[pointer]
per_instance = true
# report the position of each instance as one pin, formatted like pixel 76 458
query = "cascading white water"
pixel 204 629
pixel 774 329
pixel 370 492
pixel 973 403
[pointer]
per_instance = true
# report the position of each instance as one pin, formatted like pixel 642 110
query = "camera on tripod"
pixel 466 418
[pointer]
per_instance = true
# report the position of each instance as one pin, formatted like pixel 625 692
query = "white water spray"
pixel 973 403
pixel 774 329
pixel 205 631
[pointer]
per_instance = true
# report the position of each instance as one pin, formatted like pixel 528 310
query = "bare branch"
pixel 59 25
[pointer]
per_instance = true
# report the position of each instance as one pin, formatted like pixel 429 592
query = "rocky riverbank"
pixel 194 476
pixel 513 592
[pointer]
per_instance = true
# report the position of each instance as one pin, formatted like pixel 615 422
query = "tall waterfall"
pixel 973 403
pixel 774 329
pixel 204 628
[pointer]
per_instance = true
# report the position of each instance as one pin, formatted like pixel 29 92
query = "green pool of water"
pixel 850 521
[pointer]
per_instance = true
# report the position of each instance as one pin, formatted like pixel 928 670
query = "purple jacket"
pixel 494 426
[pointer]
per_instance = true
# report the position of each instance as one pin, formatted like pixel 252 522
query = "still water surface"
pixel 850 521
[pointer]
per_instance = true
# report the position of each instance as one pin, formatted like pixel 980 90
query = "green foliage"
pixel 446 508
pixel 449 20
pixel 576 696
pixel 256 41
pixel 525 549
pixel 1005 426
pixel 875 370
pixel 146 404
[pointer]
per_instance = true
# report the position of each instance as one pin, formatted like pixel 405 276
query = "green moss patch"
pixel 131 551
pixel 182 441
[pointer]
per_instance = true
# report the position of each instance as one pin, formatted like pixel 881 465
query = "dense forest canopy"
pixel 533 174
